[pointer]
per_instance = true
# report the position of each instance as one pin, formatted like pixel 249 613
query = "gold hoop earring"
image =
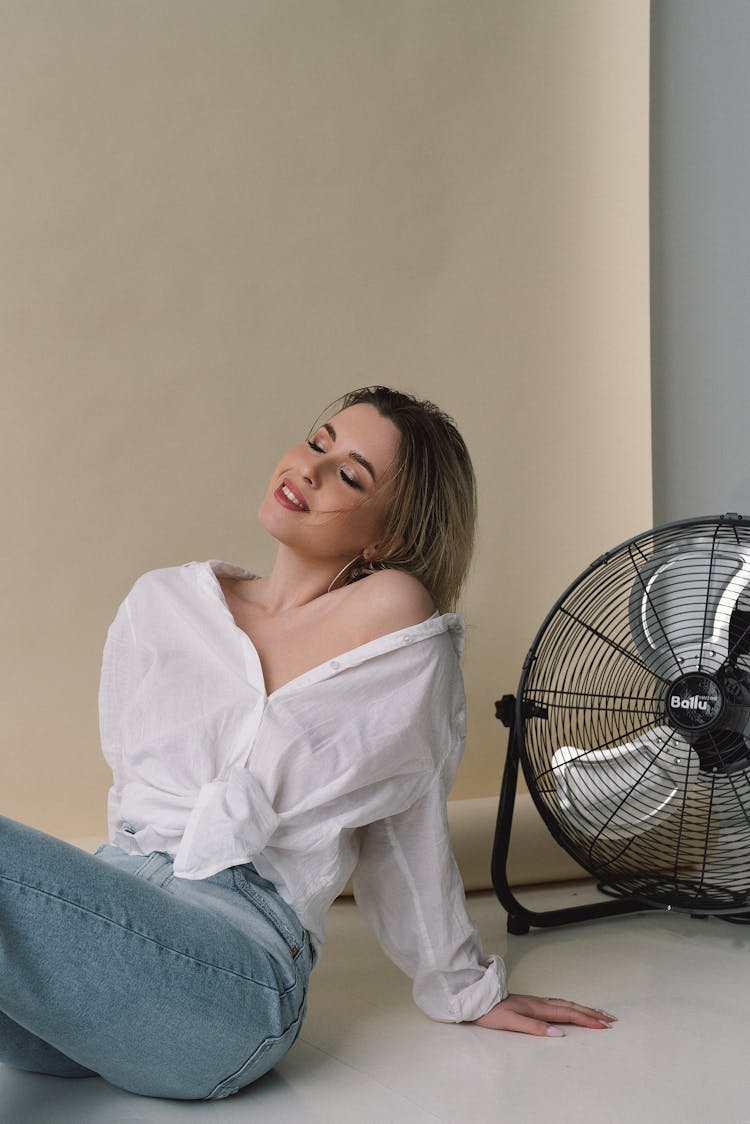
pixel 338 575
pixel 365 568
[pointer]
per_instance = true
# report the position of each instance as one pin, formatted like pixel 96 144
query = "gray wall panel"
pixel 700 255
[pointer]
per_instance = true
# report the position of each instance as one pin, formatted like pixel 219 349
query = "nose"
pixel 310 466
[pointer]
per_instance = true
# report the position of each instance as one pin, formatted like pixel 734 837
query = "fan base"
pixel 701 899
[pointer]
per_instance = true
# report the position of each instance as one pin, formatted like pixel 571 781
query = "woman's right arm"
pixel 115 683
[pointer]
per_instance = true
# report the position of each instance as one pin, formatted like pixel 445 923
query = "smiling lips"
pixel 288 497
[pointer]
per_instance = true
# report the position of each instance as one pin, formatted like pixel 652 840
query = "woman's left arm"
pixel 409 889
pixel 407 883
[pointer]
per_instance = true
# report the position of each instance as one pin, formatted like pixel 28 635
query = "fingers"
pixel 596 1011
pixel 522 1024
pixel 562 1011
pixel 505 1018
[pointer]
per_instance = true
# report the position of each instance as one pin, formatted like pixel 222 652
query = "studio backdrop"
pixel 216 219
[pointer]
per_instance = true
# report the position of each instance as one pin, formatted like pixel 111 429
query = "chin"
pixel 272 519
pixel 265 515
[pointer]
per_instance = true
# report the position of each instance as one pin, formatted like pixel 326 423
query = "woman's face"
pixel 341 481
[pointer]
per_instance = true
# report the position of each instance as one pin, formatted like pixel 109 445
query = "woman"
pixel 268 738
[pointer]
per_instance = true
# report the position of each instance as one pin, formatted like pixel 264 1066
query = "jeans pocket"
pixel 115 856
pixel 268 902
pixel 265 1057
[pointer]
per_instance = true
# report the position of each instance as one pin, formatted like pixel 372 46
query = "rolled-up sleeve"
pixel 409 890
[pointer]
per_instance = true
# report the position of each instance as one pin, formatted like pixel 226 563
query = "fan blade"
pixel 683 602
pixel 739 634
pixel 624 790
pixel 730 801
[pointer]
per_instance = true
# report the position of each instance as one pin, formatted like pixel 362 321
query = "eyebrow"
pixel 355 456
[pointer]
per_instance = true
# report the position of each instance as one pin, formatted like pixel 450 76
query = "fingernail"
pixel 612 1017
pixel 555 1032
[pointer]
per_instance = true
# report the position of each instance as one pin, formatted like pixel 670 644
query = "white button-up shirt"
pixel 344 770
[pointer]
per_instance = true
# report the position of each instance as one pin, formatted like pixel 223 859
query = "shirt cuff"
pixel 480 997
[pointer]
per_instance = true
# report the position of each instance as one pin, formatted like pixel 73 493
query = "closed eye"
pixel 350 481
pixel 347 479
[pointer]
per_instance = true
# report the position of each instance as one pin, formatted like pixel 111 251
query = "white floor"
pixel 680 986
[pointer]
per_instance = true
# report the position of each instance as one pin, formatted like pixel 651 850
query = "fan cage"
pixel 652 809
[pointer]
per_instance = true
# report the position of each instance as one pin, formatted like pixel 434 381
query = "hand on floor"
pixel 528 1014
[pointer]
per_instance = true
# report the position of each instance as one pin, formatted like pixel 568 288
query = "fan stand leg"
pixel 519 922
pixel 520 919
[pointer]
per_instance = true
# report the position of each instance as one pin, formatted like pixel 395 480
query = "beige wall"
pixel 218 217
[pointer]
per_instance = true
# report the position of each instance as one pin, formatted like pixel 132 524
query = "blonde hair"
pixel 430 527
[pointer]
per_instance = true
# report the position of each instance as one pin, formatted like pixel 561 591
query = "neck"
pixel 295 580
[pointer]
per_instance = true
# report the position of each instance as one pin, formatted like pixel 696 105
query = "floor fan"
pixel 631 723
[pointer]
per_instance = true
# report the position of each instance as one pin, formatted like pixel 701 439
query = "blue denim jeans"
pixel 163 986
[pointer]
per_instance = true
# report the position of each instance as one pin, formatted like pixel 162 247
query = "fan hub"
pixel 695 703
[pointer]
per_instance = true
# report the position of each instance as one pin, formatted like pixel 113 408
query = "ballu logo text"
pixel 693 702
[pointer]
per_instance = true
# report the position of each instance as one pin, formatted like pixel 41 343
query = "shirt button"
pixel 407 639
pixel 335 665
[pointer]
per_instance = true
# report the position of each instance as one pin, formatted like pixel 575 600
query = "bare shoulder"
pixel 232 586
pixel 388 601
